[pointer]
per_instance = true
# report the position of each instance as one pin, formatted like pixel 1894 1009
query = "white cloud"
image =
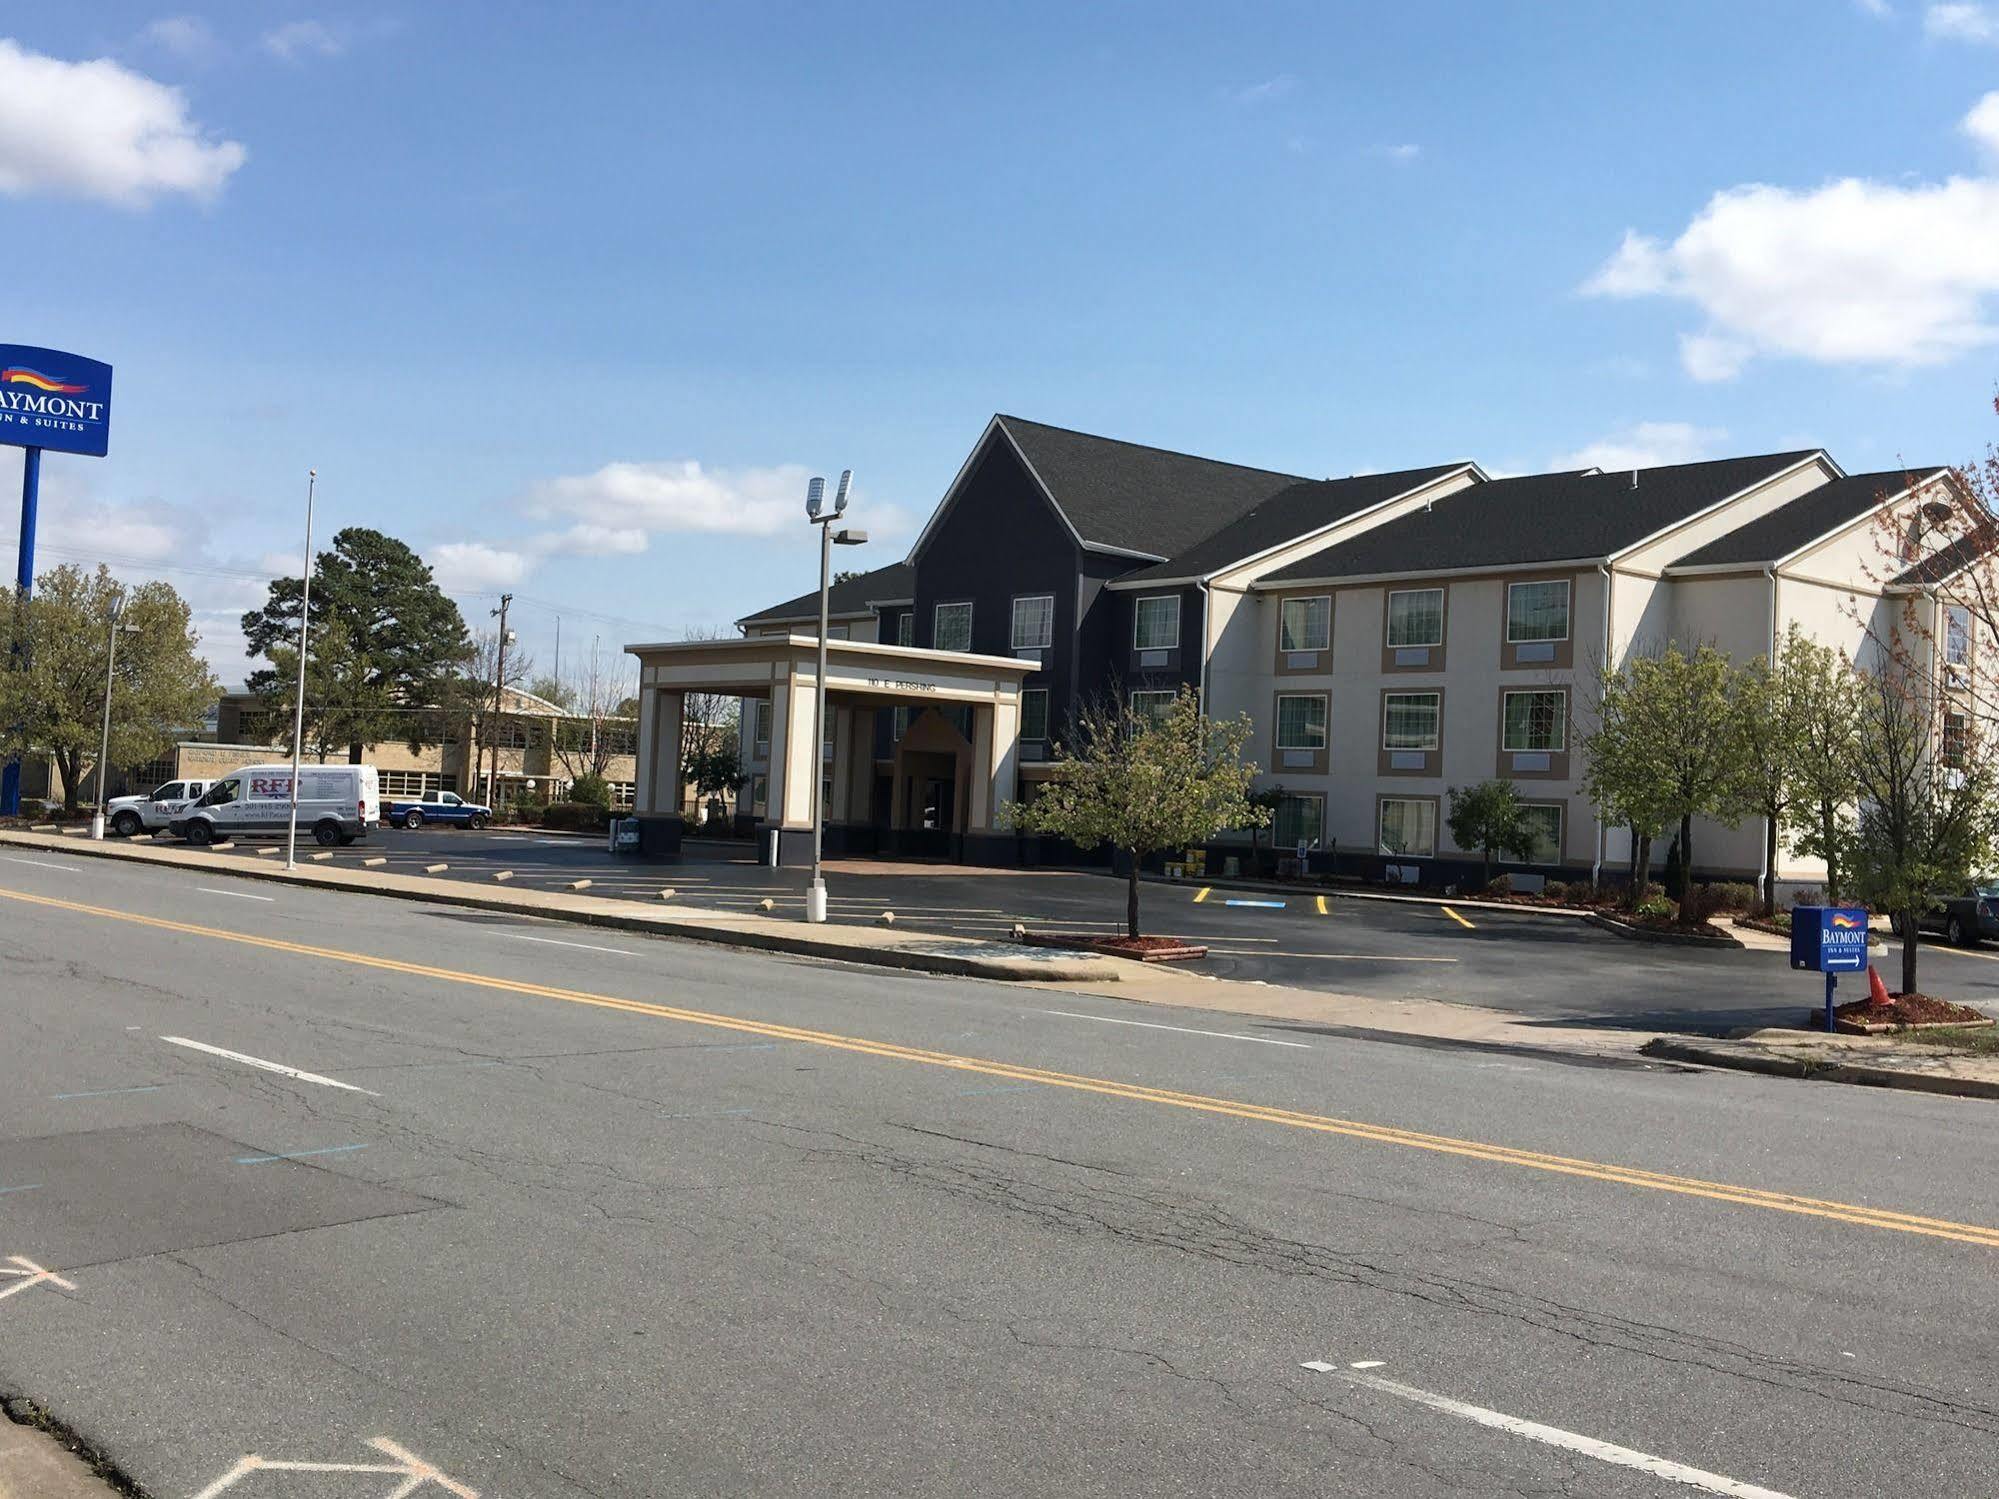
pixel 1880 9
pixel 99 130
pixel 1644 445
pixel 185 37
pixel 1402 155
pixel 297 40
pixel 1269 89
pixel 585 540
pixel 1982 123
pixel 681 496
pixel 475 566
pixel 1853 272
pixel 1962 23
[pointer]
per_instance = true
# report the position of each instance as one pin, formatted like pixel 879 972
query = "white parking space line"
pixel 1359 957
pixel 558 942
pixel 40 863
pixel 1183 1030
pixel 259 1062
pixel 1552 1436
pixel 235 894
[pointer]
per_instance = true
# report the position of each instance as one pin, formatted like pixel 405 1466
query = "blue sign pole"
pixel 1831 983
pixel 24 585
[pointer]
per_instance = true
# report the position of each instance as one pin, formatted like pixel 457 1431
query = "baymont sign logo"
pixel 53 400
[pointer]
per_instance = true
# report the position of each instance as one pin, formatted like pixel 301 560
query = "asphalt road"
pixel 560 1213
pixel 1562 972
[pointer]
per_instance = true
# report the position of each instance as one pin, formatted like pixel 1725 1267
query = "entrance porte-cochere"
pixel 937 787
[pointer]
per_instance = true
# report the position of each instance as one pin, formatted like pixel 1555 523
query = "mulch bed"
pixel 1140 949
pixel 1759 924
pixel 1903 1012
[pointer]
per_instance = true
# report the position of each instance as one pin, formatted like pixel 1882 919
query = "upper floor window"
pixel 760 729
pixel 1305 624
pixel 1956 634
pixel 1410 720
pixel 953 628
pixel 1534 721
pixel 1301 721
pixel 1156 623
pixel 905 627
pixel 1537 611
pixel 1416 617
pixel 1034 622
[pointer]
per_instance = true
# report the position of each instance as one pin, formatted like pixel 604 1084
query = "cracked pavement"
pixel 580 1251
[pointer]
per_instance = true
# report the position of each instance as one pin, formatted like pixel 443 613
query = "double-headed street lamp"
pixel 816 512
pixel 118 627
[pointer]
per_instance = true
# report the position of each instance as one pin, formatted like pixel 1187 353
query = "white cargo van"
pixel 336 804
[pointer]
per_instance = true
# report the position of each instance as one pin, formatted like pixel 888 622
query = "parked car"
pixel 438 806
pixel 336 804
pixel 128 816
pixel 1965 919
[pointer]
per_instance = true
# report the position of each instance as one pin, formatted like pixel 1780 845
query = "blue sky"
pixel 573 297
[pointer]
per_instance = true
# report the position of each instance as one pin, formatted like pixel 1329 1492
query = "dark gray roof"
pixel 1540 518
pixel 1290 513
pixel 1804 520
pixel 1139 499
pixel 1947 561
pixel 852 596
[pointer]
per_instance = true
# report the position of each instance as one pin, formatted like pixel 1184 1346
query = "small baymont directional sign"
pixel 1842 940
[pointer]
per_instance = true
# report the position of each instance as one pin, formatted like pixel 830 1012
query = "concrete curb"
pixel 930 953
pixel 1771 1065
pixel 37 1464
pixel 1670 939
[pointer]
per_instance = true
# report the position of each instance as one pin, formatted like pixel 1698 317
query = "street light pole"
pixel 298 708
pixel 118 627
pixel 815 499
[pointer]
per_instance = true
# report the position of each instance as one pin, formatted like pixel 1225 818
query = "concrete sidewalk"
pixel 36 1464
pixel 1870 1061
pixel 883 947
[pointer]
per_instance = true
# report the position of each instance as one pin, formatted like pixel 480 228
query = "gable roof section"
pixel 1121 496
pixel 1811 517
pixel 1536 518
pixel 1285 516
pixel 850 597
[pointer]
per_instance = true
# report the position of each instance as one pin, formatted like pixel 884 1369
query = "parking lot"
pixel 1560 971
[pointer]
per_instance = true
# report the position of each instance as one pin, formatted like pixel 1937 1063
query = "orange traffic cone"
pixel 1877 992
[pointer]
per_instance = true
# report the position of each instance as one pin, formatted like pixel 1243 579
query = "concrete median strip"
pixel 962 957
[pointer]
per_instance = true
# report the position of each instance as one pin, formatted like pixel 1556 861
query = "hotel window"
pixel 953 628
pixel 905 627
pixel 1034 713
pixel 1034 622
pixel 838 632
pixel 1543 822
pixel 1156 623
pixel 759 792
pixel 1409 720
pixel 900 721
pixel 1305 624
pixel 1416 617
pixel 1299 819
pixel 760 732
pixel 1956 634
pixel 1537 611
pixel 1534 721
pixel 1151 707
pixel 1301 721
pixel 1408 826
pixel 1954 739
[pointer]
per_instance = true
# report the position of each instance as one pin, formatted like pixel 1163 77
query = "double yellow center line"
pixel 1380 1134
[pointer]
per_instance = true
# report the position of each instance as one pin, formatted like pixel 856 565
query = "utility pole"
pixel 499 686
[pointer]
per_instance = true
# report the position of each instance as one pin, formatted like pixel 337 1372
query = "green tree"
pixel 1489 817
pixel 1926 805
pixel 711 771
pixel 1666 750
pixel 54 704
pixel 1143 783
pixel 593 789
pixel 1264 801
pixel 1827 700
pixel 1774 702
pixel 401 648
pixel 554 690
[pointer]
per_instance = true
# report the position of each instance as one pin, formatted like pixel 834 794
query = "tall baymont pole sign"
pixel 49 402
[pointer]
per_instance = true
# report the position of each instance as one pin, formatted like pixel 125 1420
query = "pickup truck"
pixel 437 806
pixel 132 815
